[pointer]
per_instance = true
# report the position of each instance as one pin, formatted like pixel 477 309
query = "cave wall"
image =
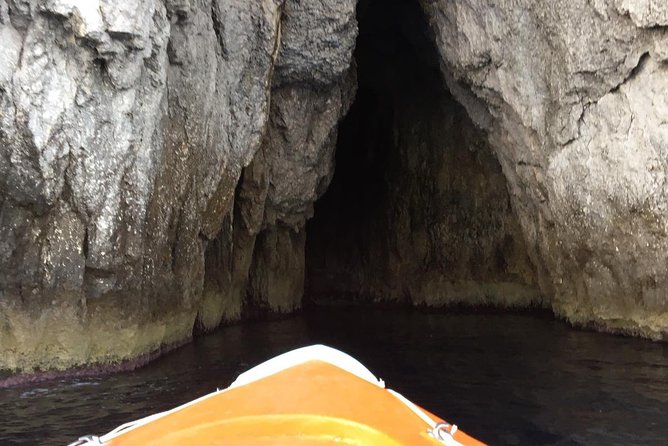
pixel 573 97
pixel 418 211
pixel 259 255
pixel 159 159
pixel 124 129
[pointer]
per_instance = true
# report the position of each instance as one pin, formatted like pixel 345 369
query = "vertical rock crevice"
pixel 311 89
pixel 124 129
pixel 567 91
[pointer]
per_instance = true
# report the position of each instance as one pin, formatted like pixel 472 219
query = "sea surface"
pixel 505 378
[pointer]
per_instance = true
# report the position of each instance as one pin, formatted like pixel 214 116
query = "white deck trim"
pixel 302 355
pixel 270 367
pixel 276 365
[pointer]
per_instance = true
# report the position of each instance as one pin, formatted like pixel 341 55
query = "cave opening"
pixel 418 210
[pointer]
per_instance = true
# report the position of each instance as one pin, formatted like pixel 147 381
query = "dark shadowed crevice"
pixel 418 210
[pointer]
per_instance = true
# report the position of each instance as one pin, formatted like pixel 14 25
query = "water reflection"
pixel 509 379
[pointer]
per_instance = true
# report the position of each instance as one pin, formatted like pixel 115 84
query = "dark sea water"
pixel 507 379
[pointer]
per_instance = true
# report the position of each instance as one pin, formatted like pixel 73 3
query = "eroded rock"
pixel 159 161
pixel 575 91
pixel 289 172
pixel 124 129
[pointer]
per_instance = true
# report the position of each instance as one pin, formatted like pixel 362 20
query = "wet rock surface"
pixel 572 95
pixel 159 161
pixel 124 129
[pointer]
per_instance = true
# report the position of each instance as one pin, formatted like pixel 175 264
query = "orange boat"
pixel 310 396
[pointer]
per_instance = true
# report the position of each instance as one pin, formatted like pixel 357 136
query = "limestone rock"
pixel 292 168
pixel 318 41
pixel 124 128
pixel 159 160
pixel 576 91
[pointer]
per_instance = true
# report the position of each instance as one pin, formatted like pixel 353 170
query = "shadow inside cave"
pixel 418 209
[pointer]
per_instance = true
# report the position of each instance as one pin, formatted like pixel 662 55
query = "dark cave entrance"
pixel 418 209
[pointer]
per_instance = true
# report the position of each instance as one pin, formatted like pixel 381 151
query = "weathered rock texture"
pixel 124 129
pixel 573 95
pixel 418 211
pixel 257 261
pixel 159 160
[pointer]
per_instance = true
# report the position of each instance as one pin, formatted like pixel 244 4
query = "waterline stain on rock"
pixel 159 162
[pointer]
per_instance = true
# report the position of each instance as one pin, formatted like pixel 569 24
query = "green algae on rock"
pixel 159 161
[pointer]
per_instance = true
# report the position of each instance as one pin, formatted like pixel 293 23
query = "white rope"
pixel 436 430
pixel 88 439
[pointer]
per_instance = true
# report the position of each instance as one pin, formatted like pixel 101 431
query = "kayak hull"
pixel 306 397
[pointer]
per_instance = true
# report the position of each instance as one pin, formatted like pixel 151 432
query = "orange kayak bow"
pixel 310 396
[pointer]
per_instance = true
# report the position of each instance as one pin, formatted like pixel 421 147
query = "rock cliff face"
pixel 159 160
pixel 124 130
pixel 573 97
